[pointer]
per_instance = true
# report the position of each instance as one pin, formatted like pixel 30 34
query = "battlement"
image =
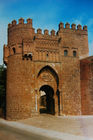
pixel 73 26
pixel 67 35
pixel 46 33
pixel 63 28
pixel 17 31
pixel 21 23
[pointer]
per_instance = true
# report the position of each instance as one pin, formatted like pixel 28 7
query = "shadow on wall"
pixel 2 91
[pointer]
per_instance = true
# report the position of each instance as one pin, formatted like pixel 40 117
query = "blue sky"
pixel 46 14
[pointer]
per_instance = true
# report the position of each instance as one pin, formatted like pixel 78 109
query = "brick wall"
pixel 87 86
pixel 70 82
pixel 23 85
pixel 19 83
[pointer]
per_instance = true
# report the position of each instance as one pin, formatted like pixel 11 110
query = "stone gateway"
pixel 48 73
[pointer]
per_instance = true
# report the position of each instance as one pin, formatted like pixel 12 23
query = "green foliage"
pixel 3 88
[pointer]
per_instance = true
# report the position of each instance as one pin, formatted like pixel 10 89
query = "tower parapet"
pixel 29 21
pixel 9 25
pixel 46 32
pixel 14 22
pixel 74 37
pixel 39 31
pixel 72 29
pixel 85 28
pixel 73 26
pixel 79 27
pixel 52 32
pixel 17 32
pixel 67 25
pixel 20 21
pixel 61 25
pixel 66 36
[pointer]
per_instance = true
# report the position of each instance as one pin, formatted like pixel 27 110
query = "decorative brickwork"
pixel 43 70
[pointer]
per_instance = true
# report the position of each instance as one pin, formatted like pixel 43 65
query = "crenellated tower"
pixel 44 61
pixel 75 39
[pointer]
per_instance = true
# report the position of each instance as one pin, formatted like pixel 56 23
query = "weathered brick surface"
pixel 87 85
pixel 35 59
pixel 71 86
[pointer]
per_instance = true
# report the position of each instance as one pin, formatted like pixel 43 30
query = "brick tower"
pixel 43 70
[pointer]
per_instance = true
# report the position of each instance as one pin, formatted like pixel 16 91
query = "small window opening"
pixel 74 53
pixel 65 52
pixel 47 54
pixel 14 50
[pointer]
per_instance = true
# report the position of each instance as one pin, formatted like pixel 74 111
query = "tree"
pixel 3 89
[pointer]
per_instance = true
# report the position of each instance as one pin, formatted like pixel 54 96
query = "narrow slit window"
pixel 14 50
pixel 47 54
pixel 74 53
pixel 65 52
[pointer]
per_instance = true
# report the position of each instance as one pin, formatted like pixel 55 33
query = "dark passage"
pixel 47 102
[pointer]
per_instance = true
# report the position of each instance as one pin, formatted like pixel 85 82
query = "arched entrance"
pixel 47 85
pixel 47 102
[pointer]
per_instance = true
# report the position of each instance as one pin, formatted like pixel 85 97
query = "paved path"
pixel 74 125
pixel 62 128
pixel 10 133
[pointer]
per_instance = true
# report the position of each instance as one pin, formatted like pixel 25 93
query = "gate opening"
pixel 47 102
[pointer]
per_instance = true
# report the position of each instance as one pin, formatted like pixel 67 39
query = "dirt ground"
pixel 76 125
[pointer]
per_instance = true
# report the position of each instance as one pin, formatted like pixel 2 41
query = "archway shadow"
pixel 47 102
